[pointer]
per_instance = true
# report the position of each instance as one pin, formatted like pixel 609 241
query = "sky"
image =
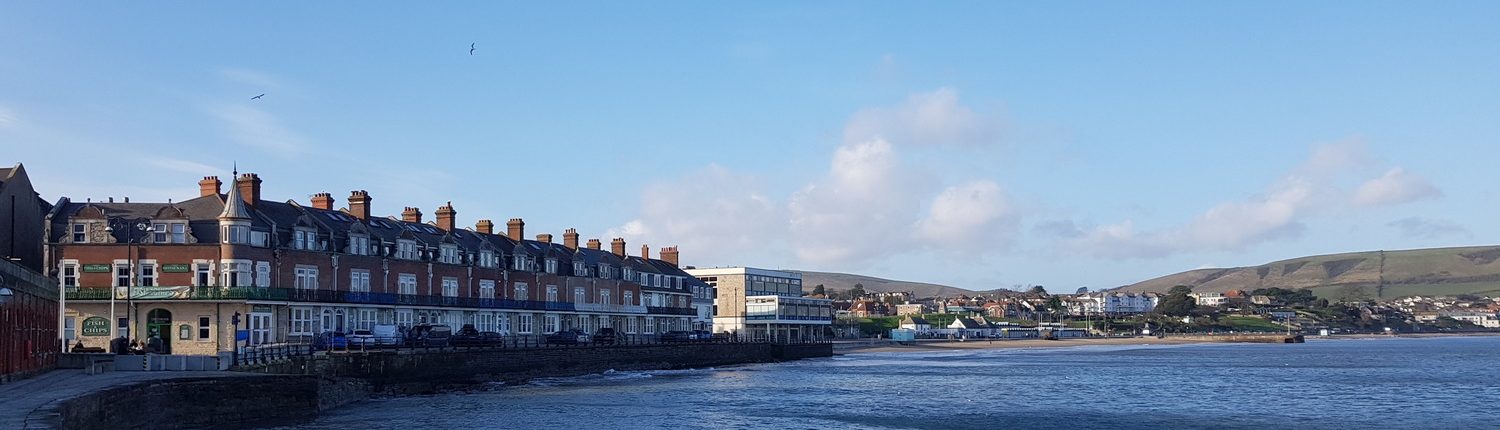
pixel 976 144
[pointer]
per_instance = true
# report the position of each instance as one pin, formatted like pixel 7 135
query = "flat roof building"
pixel 761 304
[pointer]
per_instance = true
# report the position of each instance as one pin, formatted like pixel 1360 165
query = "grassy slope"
pixel 1474 270
pixel 845 281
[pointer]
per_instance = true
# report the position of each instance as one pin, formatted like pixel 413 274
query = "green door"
pixel 159 330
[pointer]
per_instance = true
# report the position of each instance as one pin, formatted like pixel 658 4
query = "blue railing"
pixel 321 296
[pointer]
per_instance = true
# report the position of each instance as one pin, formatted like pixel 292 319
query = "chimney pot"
pixel 544 238
pixel 485 226
pixel 445 215
pixel 209 186
pixel 594 244
pixel 669 255
pixel 617 246
pixel 515 229
pixel 249 184
pixel 411 214
pixel 570 238
pixel 323 201
pixel 359 204
pixel 645 252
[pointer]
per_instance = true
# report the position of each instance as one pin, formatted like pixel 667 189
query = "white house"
pixel 1209 299
pixel 1107 303
pixel 916 324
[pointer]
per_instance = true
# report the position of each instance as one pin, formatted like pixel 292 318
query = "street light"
pixel 131 261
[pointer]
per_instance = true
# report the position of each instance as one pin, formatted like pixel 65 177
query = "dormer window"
pixel 406 249
pixel 80 233
pixel 449 254
pixel 603 271
pixel 552 266
pixel 359 244
pixel 629 273
pixel 169 232
pixel 486 258
pixel 521 262
pixel 580 269
pixel 304 239
pixel 236 234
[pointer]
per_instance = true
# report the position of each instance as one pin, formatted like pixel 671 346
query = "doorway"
pixel 159 331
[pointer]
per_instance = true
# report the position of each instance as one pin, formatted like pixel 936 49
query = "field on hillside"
pixel 1437 271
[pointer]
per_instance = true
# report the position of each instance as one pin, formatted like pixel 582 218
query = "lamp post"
pixel 131 264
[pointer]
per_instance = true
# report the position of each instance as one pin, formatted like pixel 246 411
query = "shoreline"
pixel 981 344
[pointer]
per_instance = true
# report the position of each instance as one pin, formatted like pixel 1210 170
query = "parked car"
pixel 568 337
pixel 703 335
pixel 605 336
pixel 468 336
pixel 387 335
pixel 677 336
pixel 329 340
pixel 362 339
pixel 429 335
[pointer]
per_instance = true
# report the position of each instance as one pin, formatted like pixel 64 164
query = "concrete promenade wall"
pixel 296 391
pixel 406 372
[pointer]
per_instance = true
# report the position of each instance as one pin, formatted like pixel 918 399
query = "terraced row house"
pixel 187 271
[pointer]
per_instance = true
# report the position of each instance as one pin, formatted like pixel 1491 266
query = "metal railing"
pixel 351 297
pixel 280 352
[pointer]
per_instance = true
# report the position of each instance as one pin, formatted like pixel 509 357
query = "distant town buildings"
pixel 1113 303
pixel 764 304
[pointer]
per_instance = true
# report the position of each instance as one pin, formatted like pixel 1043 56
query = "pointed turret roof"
pixel 234 206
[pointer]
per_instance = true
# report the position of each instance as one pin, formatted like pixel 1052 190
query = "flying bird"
pixel 258 97
pixel 471 49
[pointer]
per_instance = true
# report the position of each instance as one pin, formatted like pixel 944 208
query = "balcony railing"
pixel 662 310
pixel 317 296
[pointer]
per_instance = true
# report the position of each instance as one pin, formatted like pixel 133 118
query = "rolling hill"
pixel 845 281
pixel 1377 274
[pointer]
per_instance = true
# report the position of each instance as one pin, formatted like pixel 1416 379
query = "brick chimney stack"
pixel 645 252
pixel 485 226
pixel 669 255
pixel 544 238
pixel 594 244
pixel 249 184
pixel 515 229
pixel 323 201
pixel 617 246
pixel 411 214
pixel 570 238
pixel 209 186
pixel 445 214
pixel 359 204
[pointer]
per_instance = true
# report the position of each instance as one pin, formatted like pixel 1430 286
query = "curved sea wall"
pixel 291 392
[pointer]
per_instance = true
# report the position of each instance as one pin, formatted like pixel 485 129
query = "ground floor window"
pixel 260 328
pixel 302 319
pixel 204 333
pixel 503 323
pixel 404 317
pixel 523 323
pixel 366 319
pixel 649 326
pixel 550 323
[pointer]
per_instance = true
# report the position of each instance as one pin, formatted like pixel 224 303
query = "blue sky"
pixel 982 144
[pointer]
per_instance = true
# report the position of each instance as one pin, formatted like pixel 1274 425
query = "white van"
pixel 387 335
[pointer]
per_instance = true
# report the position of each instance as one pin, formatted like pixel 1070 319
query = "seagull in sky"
pixel 471 49
pixel 258 97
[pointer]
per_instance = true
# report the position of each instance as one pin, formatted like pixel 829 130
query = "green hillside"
pixel 1375 274
pixel 845 281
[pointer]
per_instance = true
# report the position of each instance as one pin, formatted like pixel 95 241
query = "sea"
pixel 1383 383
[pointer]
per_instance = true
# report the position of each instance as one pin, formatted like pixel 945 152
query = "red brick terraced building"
pixel 182 270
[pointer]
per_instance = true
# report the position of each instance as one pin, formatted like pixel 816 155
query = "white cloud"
pixel 184 166
pixel 1276 213
pixel 971 217
pixel 7 117
pixel 852 213
pixel 1395 187
pixel 258 129
pixel 713 214
pixel 932 118
pixel 1424 228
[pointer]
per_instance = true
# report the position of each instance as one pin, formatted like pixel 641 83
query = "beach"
pixel 929 345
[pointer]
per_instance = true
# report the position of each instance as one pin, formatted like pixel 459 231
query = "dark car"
pixel 331 340
pixel 605 336
pixel 429 335
pixel 568 337
pixel 467 336
pixel 677 336
pixel 703 336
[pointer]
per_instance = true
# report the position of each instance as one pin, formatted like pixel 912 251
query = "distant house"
pixel 1209 299
pixel 916 324
pixel 1264 300
pixel 1486 320
pixel 969 327
pixel 868 309
pixel 911 309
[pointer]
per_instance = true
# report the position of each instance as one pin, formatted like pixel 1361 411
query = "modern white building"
pixel 1486 320
pixel 764 304
pixel 1209 299
pixel 1108 303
